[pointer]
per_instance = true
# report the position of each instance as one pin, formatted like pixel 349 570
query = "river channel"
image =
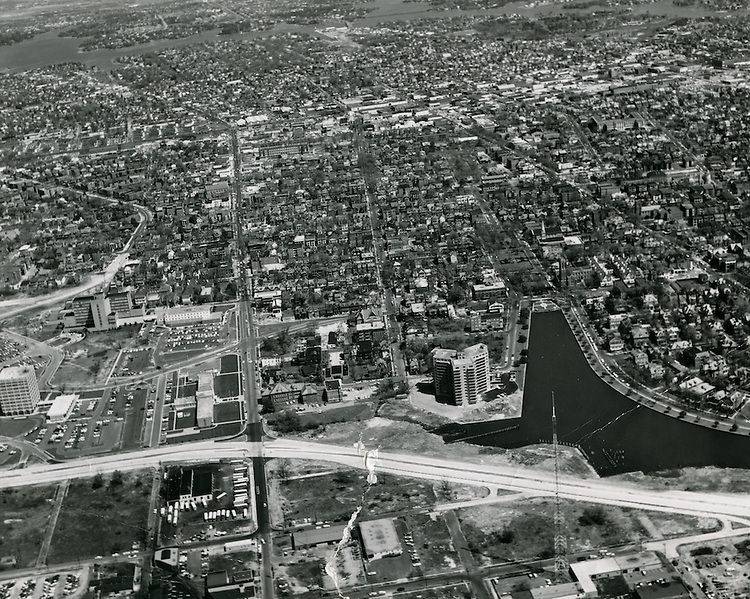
pixel 49 48
pixel 615 433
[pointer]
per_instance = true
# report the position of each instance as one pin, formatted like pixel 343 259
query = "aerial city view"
pixel 421 299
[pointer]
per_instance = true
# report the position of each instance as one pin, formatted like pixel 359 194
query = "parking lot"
pixel 9 349
pixel 57 586
pixel 133 361
pixel 722 567
pixel 100 422
pixel 193 337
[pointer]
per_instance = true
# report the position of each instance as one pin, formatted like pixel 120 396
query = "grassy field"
pixel 524 530
pixel 10 427
pixel 116 504
pixel 90 360
pixel 229 411
pixel 24 513
pixel 335 496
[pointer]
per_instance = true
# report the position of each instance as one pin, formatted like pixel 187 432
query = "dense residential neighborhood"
pixel 427 299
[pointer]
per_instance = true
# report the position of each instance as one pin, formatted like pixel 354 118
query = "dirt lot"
pixel 390 435
pixel 24 513
pixel 116 503
pixel 680 525
pixel 716 480
pixel 721 565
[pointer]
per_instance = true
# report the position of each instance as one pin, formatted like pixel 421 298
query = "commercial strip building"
pixel 318 537
pixel 461 377
pixel 189 315
pixel 379 538
pixel 19 390
pixel 643 574
pixel 204 398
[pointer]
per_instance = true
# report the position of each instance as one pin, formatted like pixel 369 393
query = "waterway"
pixel 49 48
pixel 615 433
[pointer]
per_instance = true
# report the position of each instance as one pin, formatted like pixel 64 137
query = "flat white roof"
pixel 583 571
pixel 61 406
pixel 15 372
pixel 380 536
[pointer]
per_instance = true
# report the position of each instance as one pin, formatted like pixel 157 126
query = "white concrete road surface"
pixel 516 478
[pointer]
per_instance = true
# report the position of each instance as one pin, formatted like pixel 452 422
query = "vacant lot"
pixel 90 360
pixel 335 496
pixel 102 515
pixel 24 513
pixel 525 530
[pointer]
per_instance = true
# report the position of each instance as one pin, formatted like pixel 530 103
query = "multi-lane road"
pixel 249 355
pixel 517 478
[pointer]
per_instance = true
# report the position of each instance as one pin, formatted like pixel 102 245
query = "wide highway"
pixel 516 478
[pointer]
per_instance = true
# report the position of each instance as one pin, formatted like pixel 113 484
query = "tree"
pixel 288 421
pixel 116 479
pixel 97 482
pixel 592 516
pixel 282 469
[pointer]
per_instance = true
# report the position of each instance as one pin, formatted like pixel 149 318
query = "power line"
pixel 561 542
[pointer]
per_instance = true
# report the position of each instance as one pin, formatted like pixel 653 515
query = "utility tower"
pixel 561 542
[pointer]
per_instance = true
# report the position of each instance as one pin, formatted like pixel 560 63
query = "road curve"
pixel 14 307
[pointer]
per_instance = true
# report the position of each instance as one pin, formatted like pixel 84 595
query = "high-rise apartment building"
pixel 19 390
pixel 461 376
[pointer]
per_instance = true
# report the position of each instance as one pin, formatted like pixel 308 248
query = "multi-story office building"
pixel 19 390
pixel 461 376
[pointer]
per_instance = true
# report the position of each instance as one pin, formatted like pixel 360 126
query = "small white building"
pixel 62 407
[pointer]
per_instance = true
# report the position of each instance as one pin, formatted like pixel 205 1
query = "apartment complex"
pixel 19 390
pixel 461 376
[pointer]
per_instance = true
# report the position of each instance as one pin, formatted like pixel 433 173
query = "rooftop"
pixel 15 372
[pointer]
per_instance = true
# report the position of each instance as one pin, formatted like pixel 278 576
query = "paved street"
pixel 467 471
